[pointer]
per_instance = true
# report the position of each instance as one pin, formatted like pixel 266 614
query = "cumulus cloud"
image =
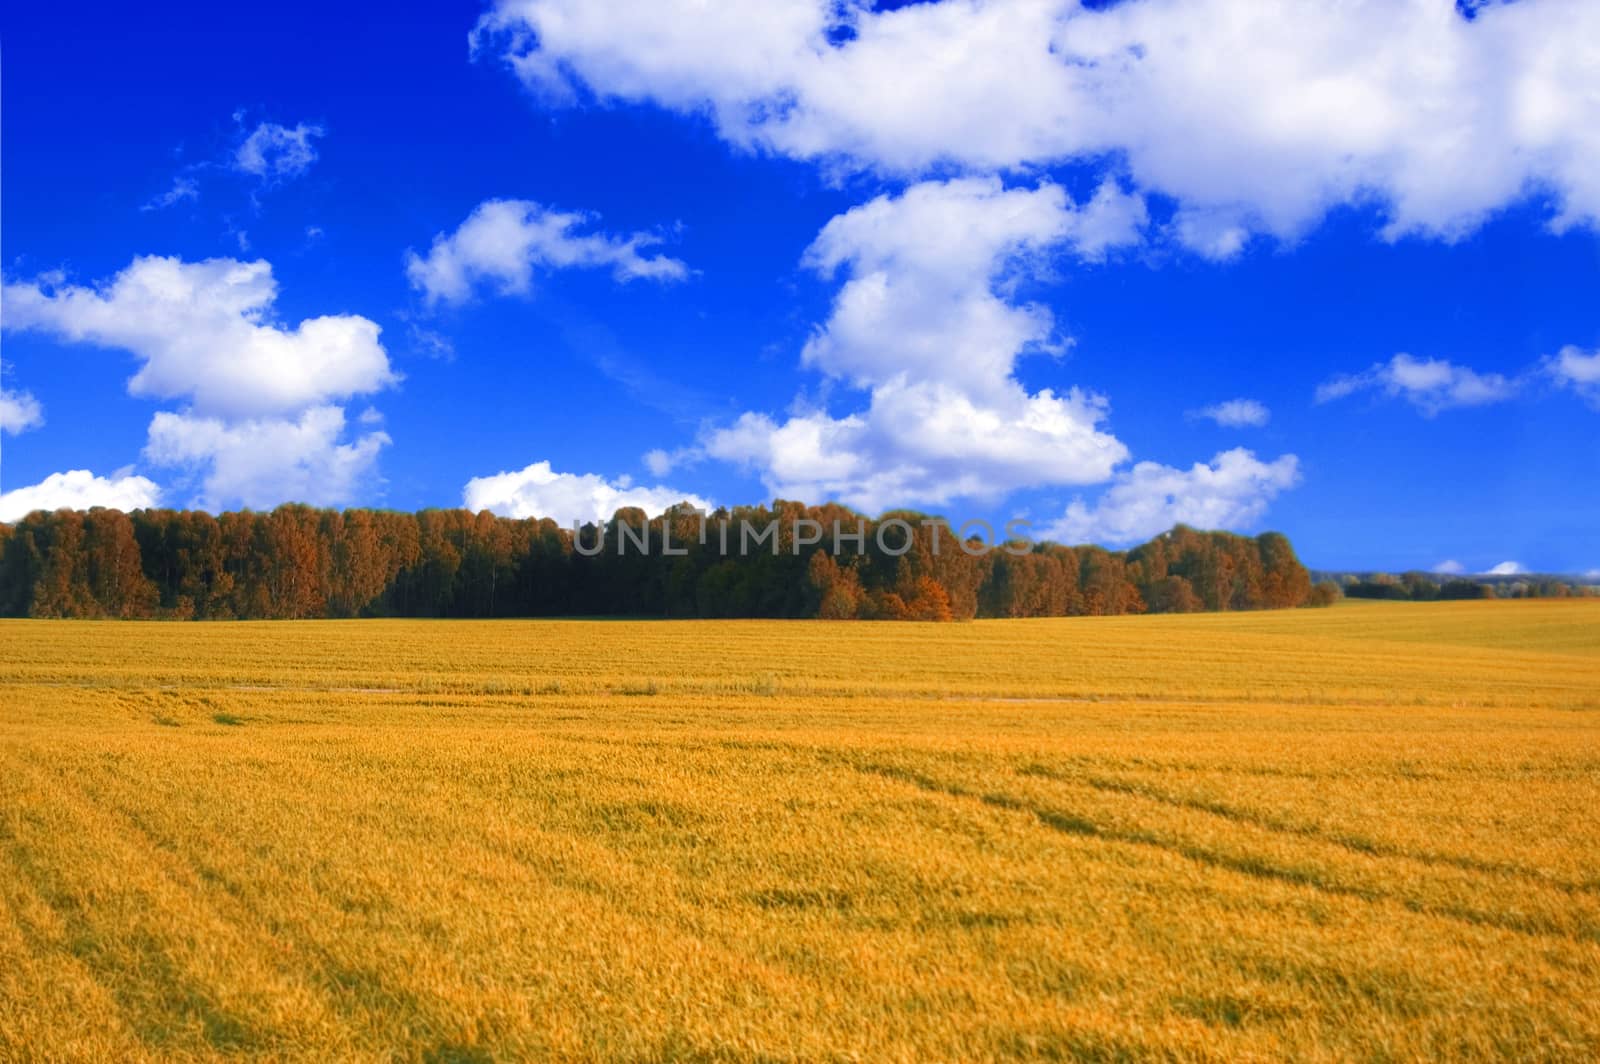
pixel 19 412
pixel 926 443
pixel 260 462
pixel 926 269
pixel 1572 368
pixel 261 422
pixel 1429 384
pixel 1254 117
pixel 275 153
pixel 1507 569
pixel 79 489
pixel 205 332
pixel 1231 492
pixel 1450 568
pixel 539 491
pixel 926 325
pixel 503 242
pixel 1235 413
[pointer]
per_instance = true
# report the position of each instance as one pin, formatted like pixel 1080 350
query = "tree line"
pixel 1421 587
pixel 300 562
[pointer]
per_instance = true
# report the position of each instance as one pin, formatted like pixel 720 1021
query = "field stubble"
pixel 1363 832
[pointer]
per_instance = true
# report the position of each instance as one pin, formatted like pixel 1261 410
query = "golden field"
pixel 1370 832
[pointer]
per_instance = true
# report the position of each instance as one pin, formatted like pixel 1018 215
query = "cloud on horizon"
pixel 1232 492
pixel 79 489
pixel 539 491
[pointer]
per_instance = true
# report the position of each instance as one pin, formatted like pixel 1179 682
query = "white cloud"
pixel 270 153
pixel 1429 384
pixel 183 188
pixel 1450 568
pixel 19 412
pixel 273 152
pixel 503 242
pixel 1507 569
pixel 1256 117
pixel 261 462
pixel 1212 232
pixel 539 491
pixel 261 423
pixel 204 331
pixel 1236 413
pixel 925 323
pixel 80 489
pixel 1231 492
pixel 924 270
pixel 1573 369
pixel 926 443
pixel 659 462
pixel 1592 574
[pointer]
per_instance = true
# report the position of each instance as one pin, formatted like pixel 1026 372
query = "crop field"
pixel 1367 832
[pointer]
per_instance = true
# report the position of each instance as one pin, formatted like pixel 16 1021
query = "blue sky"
pixel 607 253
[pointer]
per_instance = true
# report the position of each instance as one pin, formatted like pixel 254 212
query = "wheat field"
pixel 1371 832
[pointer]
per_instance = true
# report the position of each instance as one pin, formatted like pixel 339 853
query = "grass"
pixel 1362 832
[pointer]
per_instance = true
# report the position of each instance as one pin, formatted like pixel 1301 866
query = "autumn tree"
pixel 1173 594
pixel 929 601
pixel 115 576
pixel 1324 594
pixel 839 591
pixel 62 586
